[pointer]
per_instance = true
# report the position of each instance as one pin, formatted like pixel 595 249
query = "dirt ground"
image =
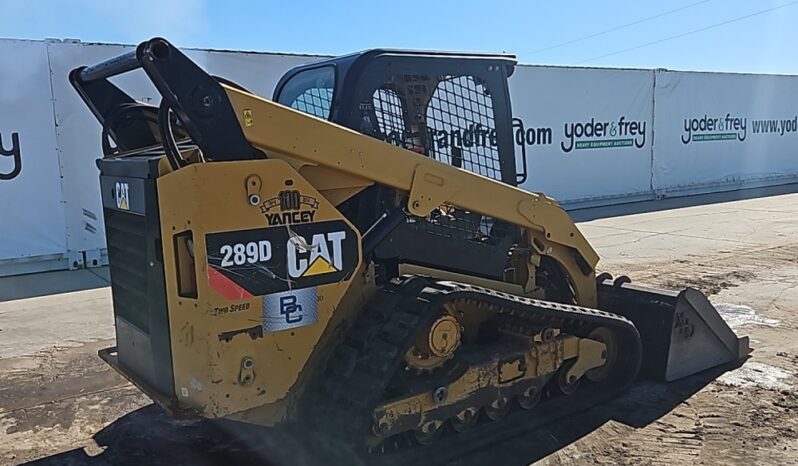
pixel 60 405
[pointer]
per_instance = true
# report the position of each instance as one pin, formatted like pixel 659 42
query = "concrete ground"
pixel 59 404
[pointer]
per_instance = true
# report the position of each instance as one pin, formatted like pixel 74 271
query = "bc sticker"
pixel 290 309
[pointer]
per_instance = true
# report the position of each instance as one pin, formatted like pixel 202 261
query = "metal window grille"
pixel 389 112
pixel 460 120
pixel 127 246
pixel 315 101
pixel 451 120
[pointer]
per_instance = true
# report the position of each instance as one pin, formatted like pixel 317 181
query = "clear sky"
pixel 722 35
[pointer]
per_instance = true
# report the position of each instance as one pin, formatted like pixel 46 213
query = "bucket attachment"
pixel 682 333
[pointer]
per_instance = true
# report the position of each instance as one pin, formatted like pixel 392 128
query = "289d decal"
pixel 243 253
pixel 270 260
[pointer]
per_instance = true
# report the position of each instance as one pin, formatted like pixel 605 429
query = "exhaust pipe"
pixel 682 332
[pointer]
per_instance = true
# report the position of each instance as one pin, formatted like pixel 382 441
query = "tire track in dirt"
pixel 676 439
pixel 711 273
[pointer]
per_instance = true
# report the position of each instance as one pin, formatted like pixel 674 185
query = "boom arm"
pixel 280 130
pixel 228 123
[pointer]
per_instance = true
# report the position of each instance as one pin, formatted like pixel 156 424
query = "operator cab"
pixel 452 107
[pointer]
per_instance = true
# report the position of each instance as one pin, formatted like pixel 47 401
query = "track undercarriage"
pixel 450 365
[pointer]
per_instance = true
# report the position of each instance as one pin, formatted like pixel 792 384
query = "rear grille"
pixel 127 253
pixel 135 256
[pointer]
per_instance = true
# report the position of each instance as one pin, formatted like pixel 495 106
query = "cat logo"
pixel 294 208
pixel 121 195
pixel 323 254
pixel 264 261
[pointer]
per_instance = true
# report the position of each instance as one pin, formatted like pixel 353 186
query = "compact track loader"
pixel 354 257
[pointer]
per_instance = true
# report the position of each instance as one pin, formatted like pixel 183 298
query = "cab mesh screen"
pixel 388 108
pixel 315 101
pixel 460 121
pixel 447 118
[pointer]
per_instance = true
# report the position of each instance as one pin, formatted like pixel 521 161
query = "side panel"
pixel 30 183
pixel 715 130
pixel 268 277
pixel 587 133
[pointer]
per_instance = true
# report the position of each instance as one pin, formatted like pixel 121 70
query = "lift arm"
pixel 228 123
pixel 280 130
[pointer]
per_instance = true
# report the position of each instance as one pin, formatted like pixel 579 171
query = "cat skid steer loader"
pixel 354 257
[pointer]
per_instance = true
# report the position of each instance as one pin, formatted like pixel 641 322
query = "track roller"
pixel 530 397
pixel 428 432
pixel 498 409
pixel 465 419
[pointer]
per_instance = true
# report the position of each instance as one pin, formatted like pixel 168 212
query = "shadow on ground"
pixel 644 404
pixel 49 283
pixel 148 436
pixel 582 214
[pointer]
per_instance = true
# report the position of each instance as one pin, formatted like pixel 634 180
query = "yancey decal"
pixel 290 309
pixel 262 261
pixel 289 207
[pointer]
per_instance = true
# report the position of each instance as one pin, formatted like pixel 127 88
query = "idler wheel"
pixel 606 336
pixel 564 385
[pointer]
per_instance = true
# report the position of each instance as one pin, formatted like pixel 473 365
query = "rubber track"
pixel 340 407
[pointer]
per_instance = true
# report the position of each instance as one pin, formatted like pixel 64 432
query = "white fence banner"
pixel 589 136
pixel 30 183
pixel 718 129
pixel 586 132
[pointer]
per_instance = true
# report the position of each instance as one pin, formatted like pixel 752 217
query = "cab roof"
pixel 354 63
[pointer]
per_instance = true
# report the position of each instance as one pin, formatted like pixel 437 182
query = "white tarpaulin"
pixel 581 128
pixel 30 183
pixel 590 137
pixel 718 129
